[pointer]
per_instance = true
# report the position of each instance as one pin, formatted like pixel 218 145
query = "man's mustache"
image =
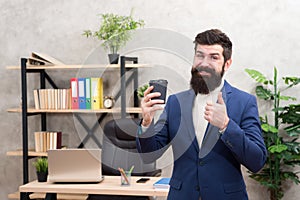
pixel 203 69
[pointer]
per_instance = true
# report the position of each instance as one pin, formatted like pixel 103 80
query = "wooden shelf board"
pixel 112 66
pixel 30 153
pixel 113 110
pixel 16 195
pixel 60 196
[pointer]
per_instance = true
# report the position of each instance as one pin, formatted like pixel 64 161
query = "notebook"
pixel 74 165
pixel 163 183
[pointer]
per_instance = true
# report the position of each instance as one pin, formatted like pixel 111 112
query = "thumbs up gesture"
pixel 216 114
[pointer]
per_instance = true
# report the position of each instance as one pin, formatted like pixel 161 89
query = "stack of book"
pixel 45 140
pixel 37 58
pixel 55 99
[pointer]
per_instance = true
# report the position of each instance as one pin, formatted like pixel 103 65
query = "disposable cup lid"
pixel 159 81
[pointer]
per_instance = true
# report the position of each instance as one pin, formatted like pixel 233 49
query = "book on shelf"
pixel 36 99
pixel 163 183
pixel 46 140
pixel 37 58
pixel 54 99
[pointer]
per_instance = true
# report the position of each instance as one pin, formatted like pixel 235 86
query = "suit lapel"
pixel 187 117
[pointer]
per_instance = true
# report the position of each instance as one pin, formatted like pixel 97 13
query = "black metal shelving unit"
pixel 125 81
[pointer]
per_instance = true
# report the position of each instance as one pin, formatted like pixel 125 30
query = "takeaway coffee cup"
pixel 159 85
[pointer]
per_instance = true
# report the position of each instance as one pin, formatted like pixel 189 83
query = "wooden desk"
pixel 111 185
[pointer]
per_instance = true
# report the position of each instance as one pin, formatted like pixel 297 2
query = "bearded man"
pixel 213 128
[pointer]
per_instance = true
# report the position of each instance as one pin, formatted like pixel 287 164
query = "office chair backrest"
pixel 119 149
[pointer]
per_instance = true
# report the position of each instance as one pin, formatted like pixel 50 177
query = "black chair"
pixel 119 150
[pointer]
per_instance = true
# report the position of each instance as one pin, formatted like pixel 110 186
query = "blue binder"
pixel 81 93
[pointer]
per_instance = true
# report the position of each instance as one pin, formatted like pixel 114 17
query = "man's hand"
pixel 148 110
pixel 216 114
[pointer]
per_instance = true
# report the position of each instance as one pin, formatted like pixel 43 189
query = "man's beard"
pixel 203 84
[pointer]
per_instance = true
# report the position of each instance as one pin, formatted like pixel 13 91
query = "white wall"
pixel 265 33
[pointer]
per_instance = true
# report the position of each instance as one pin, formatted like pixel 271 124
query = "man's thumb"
pixel 220 98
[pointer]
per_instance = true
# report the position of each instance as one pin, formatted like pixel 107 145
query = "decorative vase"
pixel 42 176
pixel 113 58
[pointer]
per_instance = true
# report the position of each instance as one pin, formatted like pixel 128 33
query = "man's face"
pixel 208 68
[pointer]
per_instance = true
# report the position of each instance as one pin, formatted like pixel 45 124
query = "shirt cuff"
pixel 142 129
pixel 223 130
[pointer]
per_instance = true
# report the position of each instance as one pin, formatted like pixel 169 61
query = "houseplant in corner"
pixel 114 31
pixel 41 166
pixel 281 134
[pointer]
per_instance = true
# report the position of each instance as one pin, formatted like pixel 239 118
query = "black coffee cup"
pixel 159 85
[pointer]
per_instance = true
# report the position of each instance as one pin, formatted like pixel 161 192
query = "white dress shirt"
pixel 200 123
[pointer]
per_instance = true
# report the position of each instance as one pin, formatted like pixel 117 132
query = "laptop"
pixel 74 165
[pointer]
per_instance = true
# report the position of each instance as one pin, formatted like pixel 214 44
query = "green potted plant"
pixel 141 90
pixel 114 31
pixel 41 166
pixel 281 134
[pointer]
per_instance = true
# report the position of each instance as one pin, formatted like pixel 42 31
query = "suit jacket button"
pixel 228 143
pixel 201 163
pixel 197 188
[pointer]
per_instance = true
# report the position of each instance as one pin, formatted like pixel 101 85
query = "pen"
pixel 124 175
pixel 131 169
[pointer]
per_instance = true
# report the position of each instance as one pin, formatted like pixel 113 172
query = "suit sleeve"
pixel 244 138
pixel 152 143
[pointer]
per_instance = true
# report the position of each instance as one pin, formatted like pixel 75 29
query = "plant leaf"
pixel 141 90
pixel 293 130
pixel 286 98
pixel 263 93
pixel 292 176
pixel 291 114
pixel 291 81
pixel 257 76
pixel 277 148
pixel 269 128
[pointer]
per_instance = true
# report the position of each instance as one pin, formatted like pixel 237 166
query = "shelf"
pixel 42 70
pixel 30 153
pixel 113 110
pixel 112 66
pixel 16 195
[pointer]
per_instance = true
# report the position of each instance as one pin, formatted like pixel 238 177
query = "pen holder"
pixel 125 178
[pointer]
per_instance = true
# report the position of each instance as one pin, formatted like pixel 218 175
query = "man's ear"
pixel 227 64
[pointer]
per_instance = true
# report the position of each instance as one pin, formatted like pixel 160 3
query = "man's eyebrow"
pixel 212 54
pixel 215 54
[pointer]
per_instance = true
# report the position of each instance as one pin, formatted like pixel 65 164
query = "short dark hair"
pixel 215 36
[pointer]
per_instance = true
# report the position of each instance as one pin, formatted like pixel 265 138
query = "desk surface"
pixel 110 185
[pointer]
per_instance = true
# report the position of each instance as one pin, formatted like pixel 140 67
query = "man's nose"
pixel 205 61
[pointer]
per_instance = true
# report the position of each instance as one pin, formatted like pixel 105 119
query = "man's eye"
pixel 199 56
pixel 215 57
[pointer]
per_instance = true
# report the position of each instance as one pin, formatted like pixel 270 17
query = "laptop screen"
pixel 74 165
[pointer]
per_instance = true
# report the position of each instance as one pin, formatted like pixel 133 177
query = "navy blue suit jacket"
pixel 212 172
